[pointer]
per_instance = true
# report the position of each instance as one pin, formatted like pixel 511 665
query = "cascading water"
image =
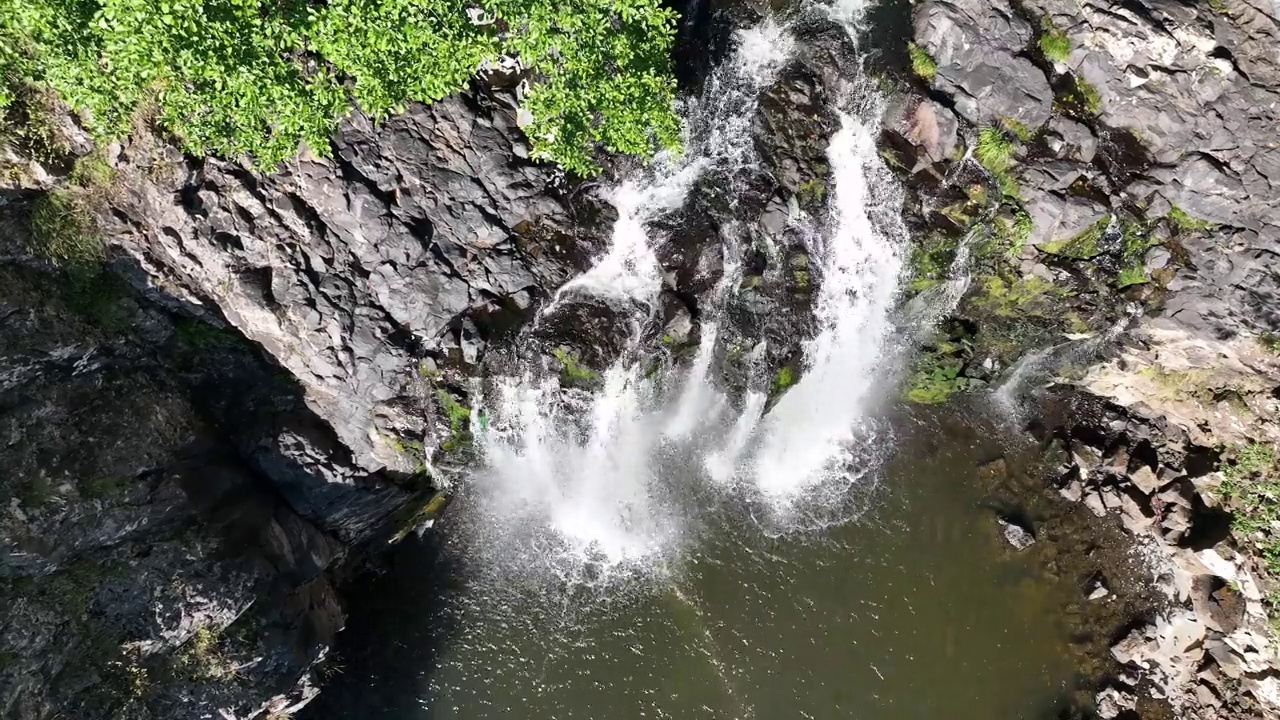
pixel 575 482
pixel 673 542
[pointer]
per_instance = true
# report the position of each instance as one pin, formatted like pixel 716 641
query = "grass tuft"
pixel 1053 42
pixel 922 63
pixel 61 233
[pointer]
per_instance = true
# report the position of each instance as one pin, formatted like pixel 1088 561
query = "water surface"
pixel 912 608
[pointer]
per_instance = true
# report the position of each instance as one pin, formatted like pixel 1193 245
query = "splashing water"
pixel 807 432
pixel 575 483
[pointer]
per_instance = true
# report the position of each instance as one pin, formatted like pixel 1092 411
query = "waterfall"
pixel 807 433
pixel 574 483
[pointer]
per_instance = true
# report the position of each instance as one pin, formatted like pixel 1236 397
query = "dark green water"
pixel 914 609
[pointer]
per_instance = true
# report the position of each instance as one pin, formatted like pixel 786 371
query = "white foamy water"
pixel 805 436
pixel 576 480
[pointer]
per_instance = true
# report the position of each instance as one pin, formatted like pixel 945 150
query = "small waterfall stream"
pixel 608 479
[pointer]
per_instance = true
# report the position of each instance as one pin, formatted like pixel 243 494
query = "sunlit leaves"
pixel 253 79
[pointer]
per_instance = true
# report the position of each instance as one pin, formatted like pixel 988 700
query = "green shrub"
pixel 1184 223
pixel 1089 97
pixel 253 79
pixel 1053 42
pixel 994 149
pixel 572 371
pixel 922 63
pixel 61 231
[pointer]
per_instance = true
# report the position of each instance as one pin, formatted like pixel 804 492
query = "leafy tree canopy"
pixel 254 77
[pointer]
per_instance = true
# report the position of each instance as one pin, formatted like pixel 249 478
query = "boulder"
pixel 976 45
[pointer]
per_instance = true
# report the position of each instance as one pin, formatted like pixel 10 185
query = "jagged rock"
pixel 1057 219
pixel 1145 479
pixel 1165 648
pixel 133 529
pixel 351 271
pixel 928 129
pixel 1070 140
pixel 1111 702
pixel 976 45
pixel 1086 458
pixel 1016 535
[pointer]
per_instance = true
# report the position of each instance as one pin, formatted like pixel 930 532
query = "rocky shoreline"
pixel 261 388
pixel 1126 277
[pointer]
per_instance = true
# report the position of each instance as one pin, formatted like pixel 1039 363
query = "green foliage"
pixel 1012 233
pixel 922 63
pixel 1018 128
pixel 61 232
pixel 1184 223
pixel 253 79
pixel 1054 43
pixel 783 379
pixel 572 371
pixel 1088 96
pixel 1082 246
pixel 1271 342
pixel 197 335
pixel 994 150
pixel 1252 484
pixel 1015 298
pixel 1220 7
pixel 204 657
pixel 935 380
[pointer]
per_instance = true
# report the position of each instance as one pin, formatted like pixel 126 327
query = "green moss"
pixel 1054 43
pixel 1082 246
pixel 61 231
pixel 459 419
pixel 98 488
pixel 1184 224
pixel 811 192
pixel 572 372
pixel 922 63
pixel 1088 96
pixel 1220 7
pixel 1018 128
pixel 783 380
pixel 92 172
pixel 930 261
pixel 1132 275
pixel 1015 299
pixel 935 380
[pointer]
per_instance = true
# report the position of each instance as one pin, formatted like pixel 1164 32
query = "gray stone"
pixel 976 44
pixel 924 125
pixel 1056 218
pixel 1016 535
pixel 1145 479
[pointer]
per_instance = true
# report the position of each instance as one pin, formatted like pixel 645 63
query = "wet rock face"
pixel 978 45
pixel 1176 107
pixel 146 567
pixel 416 245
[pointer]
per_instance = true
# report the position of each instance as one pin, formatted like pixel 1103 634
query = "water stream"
pixel 665 548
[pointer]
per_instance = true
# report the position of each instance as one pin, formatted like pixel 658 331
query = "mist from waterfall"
pixel 575 483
